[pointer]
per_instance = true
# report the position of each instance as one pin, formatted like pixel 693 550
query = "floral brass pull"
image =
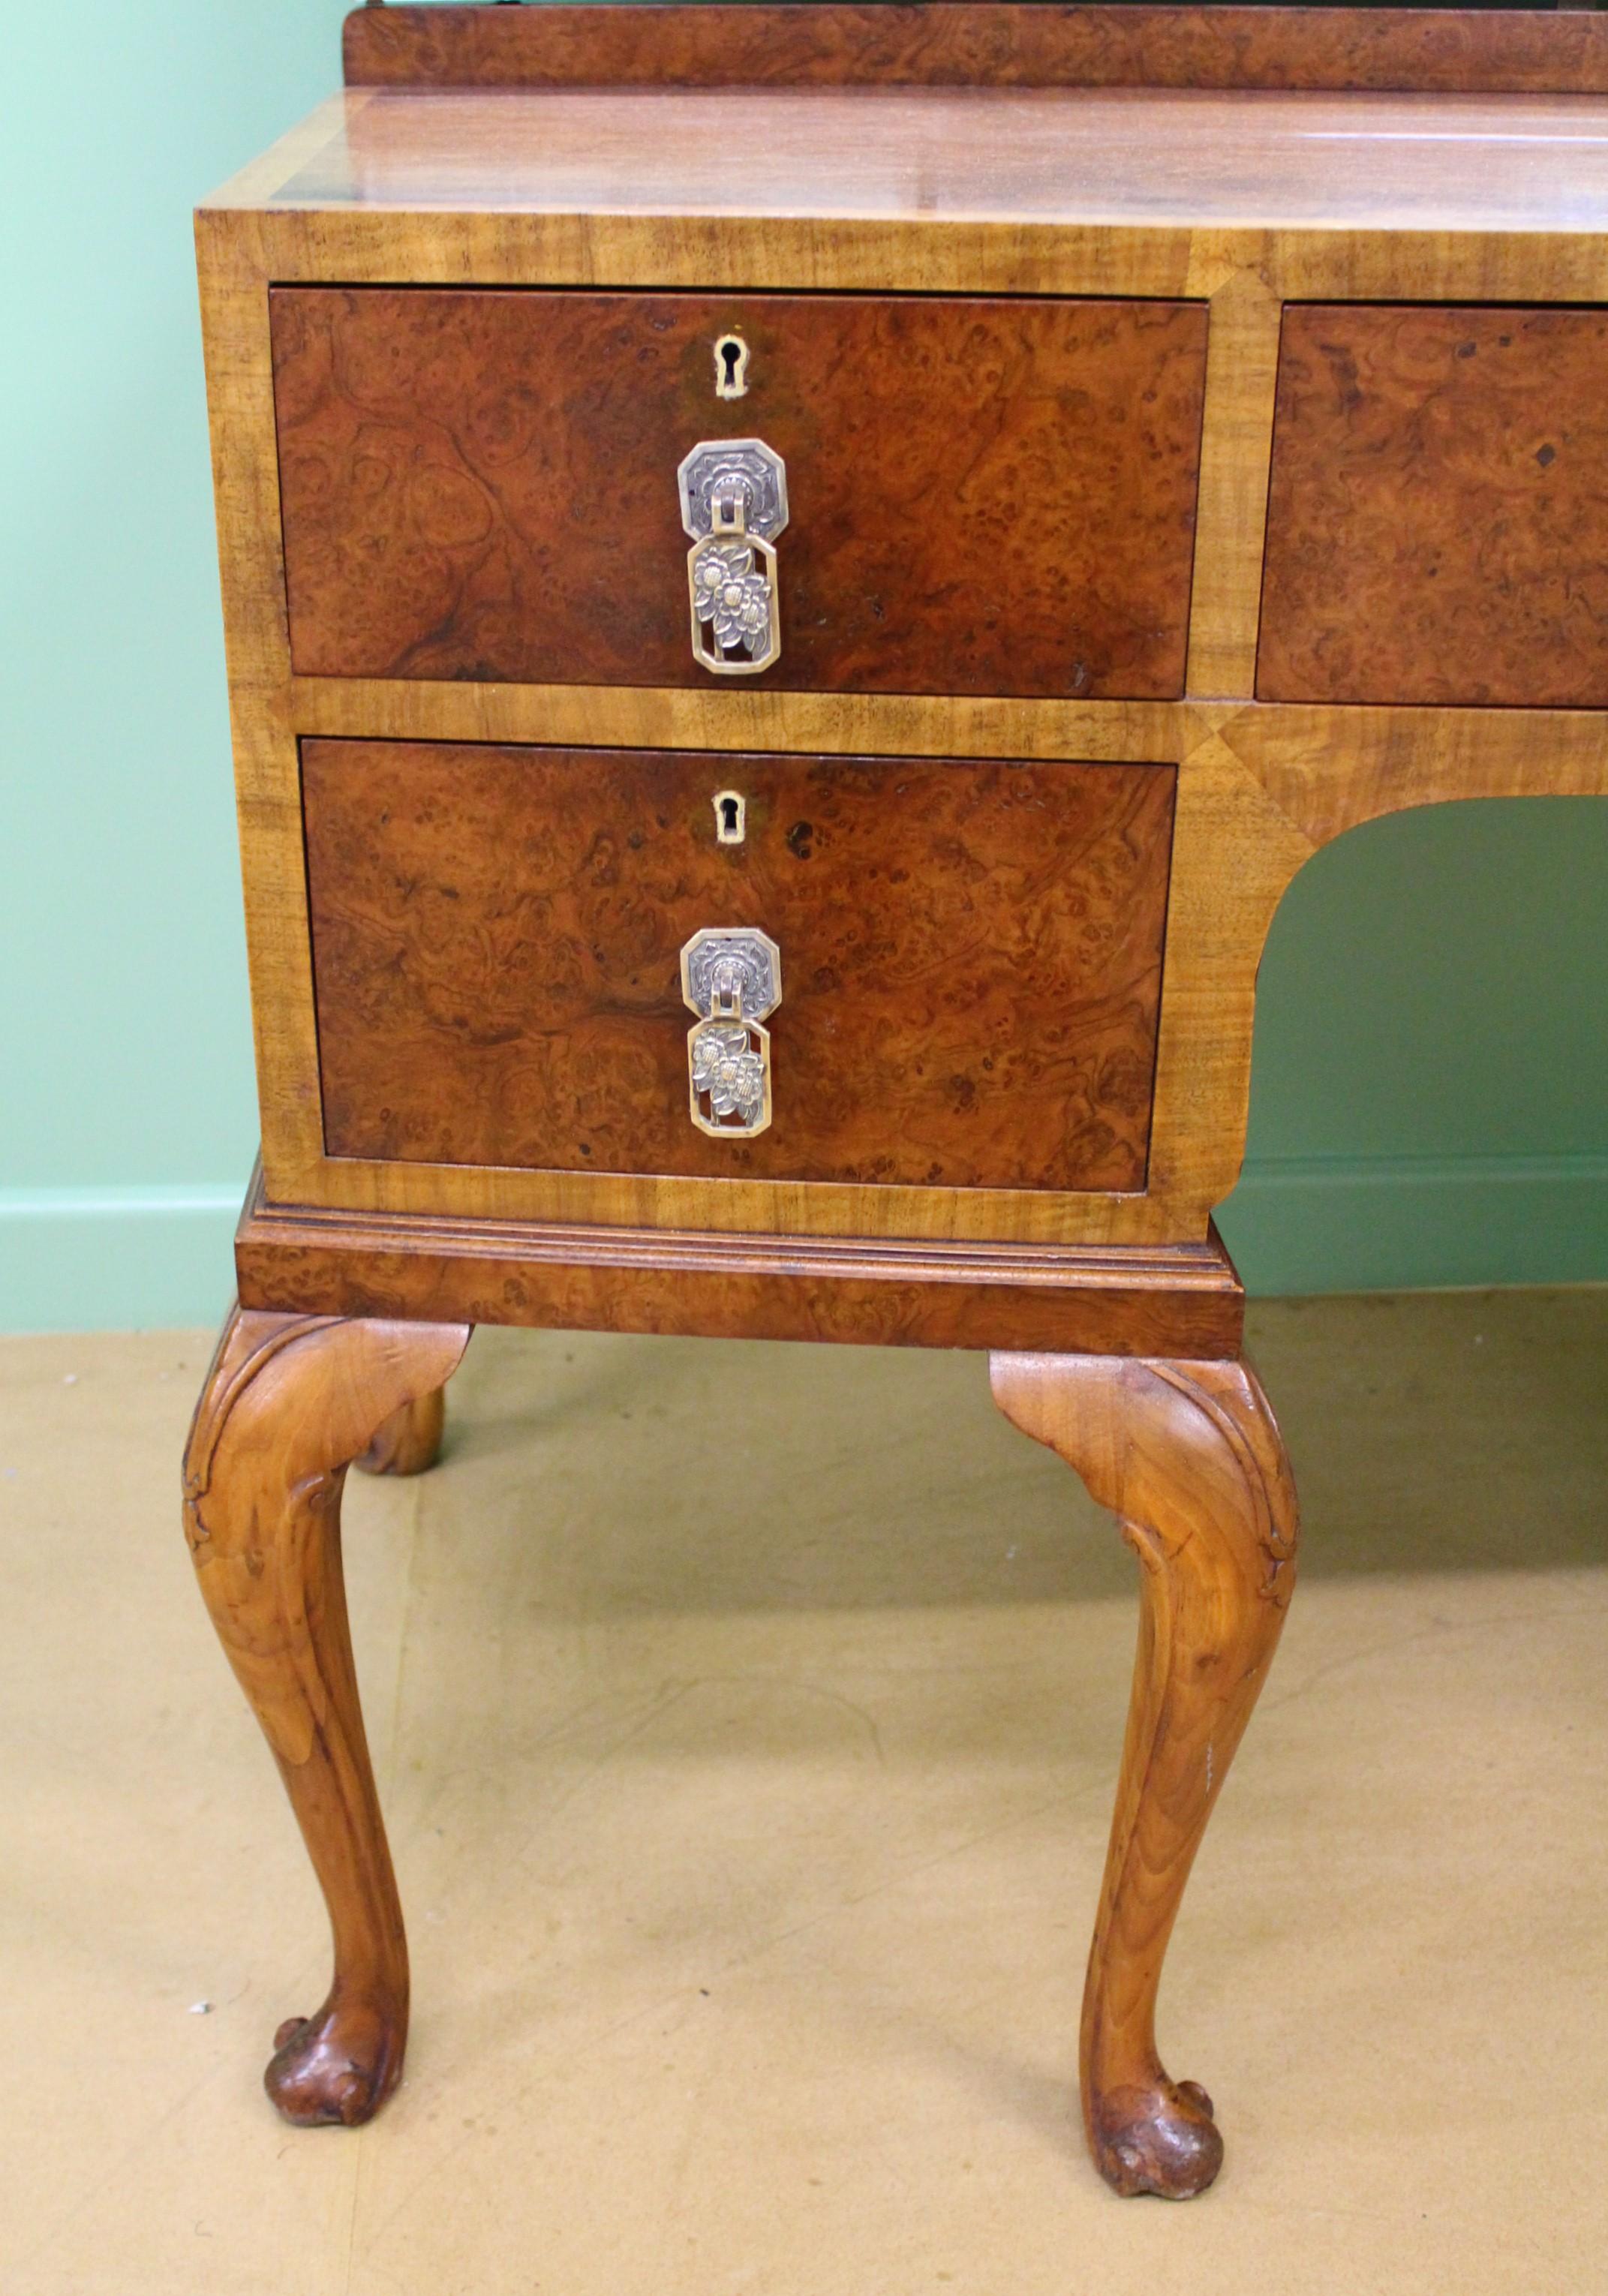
pixel 733 503
pixel 732 979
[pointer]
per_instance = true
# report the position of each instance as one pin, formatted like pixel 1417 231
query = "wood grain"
pixel 1079 191
pixel 1438 527
pixel 987 497
pixel 990 45
pixel 290 1402
pixel 1232 502
pixel 1189 1459
pixel 971 960
pixel 1127 1299
pixel 1390 760
pixel 746 714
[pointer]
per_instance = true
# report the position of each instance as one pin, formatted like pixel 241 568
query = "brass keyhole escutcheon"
pixel 731 367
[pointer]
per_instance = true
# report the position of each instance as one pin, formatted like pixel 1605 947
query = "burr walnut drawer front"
pixel 981 497
pixel 964 964
pixel 1438 519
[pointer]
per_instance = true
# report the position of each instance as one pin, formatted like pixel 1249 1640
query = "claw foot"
pixel 1161 2141
pixel 339 2066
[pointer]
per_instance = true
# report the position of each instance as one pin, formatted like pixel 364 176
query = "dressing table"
pixel 798 582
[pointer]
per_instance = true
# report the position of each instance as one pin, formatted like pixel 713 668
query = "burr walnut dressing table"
pixel 798 583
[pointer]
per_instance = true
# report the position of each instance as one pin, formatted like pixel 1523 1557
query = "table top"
pixel 1080 157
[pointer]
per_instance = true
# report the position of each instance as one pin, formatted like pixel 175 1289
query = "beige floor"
pixel 747 1717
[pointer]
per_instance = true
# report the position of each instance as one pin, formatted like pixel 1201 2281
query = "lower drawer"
pixel 971 959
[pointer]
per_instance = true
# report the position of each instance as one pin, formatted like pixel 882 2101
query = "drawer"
pixel 988 497
pixel 1438 518
pixel 969 952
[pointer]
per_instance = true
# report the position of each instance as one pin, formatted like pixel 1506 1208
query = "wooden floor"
pixel 748 1717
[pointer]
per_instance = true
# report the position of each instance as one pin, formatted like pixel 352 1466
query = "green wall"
pixel 1430 1089
pixel 1431 1102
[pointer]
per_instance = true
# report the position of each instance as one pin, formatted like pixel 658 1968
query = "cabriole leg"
pixel 289 1403
pixel 1189 1459
pixel 409 1443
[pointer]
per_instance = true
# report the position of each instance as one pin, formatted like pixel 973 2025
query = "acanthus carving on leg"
pixel 289 1403
pixel 1189 1459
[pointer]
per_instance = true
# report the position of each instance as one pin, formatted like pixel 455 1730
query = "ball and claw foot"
pixel 1162 2141
pixel 337 2068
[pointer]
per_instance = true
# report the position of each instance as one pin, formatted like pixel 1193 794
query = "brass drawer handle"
pixel 733 503
pixel 732 979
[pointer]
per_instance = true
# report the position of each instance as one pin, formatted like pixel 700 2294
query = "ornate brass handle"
pixel 733 503
pixel 732 979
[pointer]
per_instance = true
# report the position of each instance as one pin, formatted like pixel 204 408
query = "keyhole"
pixel 731 367
pixel 728 817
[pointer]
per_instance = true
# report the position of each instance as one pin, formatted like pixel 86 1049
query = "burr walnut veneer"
pixel 434 445
pixel 1157 439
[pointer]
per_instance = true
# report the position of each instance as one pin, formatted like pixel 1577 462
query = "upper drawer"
pixel 1438 521
pixel 986 496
